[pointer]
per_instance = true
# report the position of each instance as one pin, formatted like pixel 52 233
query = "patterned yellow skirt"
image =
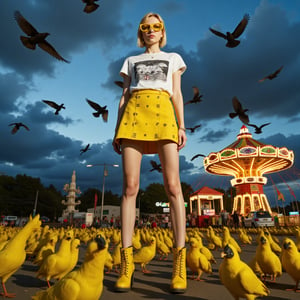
pixel 149 117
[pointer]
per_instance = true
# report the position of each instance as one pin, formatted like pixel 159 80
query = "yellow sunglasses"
pixel 154 26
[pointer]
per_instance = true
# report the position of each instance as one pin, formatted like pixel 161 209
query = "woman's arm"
pixel 178 106
pixel 122 103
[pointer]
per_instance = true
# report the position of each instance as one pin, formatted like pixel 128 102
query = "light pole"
pixel 105 173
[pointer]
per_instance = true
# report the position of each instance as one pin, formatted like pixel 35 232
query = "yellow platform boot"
pixel 125 280
pixel 179 284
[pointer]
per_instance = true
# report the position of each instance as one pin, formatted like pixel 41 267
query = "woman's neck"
pixel 154 49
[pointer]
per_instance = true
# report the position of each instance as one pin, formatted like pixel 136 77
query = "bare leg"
pixel 131 159
pixel 169 158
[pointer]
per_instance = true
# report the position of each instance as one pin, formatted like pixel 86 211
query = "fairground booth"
pixel 206 204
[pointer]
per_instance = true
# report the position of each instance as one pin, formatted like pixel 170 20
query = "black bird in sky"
pixel 119 83
pixel 90 6
pixel 86 148
pixel 232 37
pixel 196 98
pixel 54 105
pixel 258 129
pixel 99 110
pixel 197 155
pixel 155 166
pixel 17 126
pixel 35 38
pixel 192 129
pixel 272 75
pixel 239 111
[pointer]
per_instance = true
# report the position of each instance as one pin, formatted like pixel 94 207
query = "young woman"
pixel 151 120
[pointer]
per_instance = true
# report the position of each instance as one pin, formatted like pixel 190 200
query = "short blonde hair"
pixel 140 40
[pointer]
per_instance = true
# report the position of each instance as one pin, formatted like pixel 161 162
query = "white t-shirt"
pixel 152 70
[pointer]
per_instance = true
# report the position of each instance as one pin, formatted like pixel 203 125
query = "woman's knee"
pixel 173 189
pixel 131 188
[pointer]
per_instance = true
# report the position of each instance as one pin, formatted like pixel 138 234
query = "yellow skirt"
pixel 149 117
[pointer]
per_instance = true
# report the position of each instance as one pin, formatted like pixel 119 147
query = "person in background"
pixel 236 219
pixel 151 121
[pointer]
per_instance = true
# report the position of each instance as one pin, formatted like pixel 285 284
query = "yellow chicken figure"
pixel 214 238
pixel 290 259
pixel 116 256
pixel 274 246
pixel 108 264
pixel 136 240
pixel 196 261
pixel 13 255
pixel 228 239
pixel 268 261
pixel 238 277
pixel 57 263
pixel 204 250
pixel 161 247
pixel 244 237
pixel 47 249
pixel 75 244
pixel 145 255
pixel 84 283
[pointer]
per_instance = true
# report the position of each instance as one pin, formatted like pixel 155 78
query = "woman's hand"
pixel 181 138
pixel 117 146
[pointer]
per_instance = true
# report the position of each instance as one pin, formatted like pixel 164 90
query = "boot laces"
pixel 124 264
pixel 179 264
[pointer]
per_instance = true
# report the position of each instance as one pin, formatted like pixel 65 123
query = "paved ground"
pixel 156 284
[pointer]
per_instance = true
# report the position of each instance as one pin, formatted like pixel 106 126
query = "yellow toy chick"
pixel 85 283
pixel 290 259
pixel 57 263
pixel 13 255
pixel 47 249
pixel 238 277
pixel 75 244
pixel 228 239
pixel 145 254
pixel 197 261
pixel 268 261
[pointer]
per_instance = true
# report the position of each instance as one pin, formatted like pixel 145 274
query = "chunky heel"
pixel 125 280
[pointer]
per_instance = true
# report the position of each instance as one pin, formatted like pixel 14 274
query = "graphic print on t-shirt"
pixel 151 70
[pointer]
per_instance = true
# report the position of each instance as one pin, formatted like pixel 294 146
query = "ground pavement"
pixel 156 284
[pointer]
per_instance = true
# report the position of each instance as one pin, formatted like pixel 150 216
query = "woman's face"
pixel 151 36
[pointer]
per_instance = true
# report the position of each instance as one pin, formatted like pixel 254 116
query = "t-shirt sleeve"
pixel 125 70
pixel 179 64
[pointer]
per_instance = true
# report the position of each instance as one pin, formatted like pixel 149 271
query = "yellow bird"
pixel 238 277
pixel 274 246
pixel 116 256
pixel 161 247
pixel 57 263
pixel 84 283
pixel 228 239
pixel 214 238
pixel 13 255
pixel 298 238
pixel 47 249
pixel 196 261
pixel 145 254
pixel 253 264
pixel 204 250
pixel 244 237
pixel 290 259
pixel 168 240
pixel 75 244
pixel 268 261
pixel 136 240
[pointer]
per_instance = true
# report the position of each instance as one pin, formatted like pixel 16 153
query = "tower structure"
pixel 72 193
pixel 247 160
